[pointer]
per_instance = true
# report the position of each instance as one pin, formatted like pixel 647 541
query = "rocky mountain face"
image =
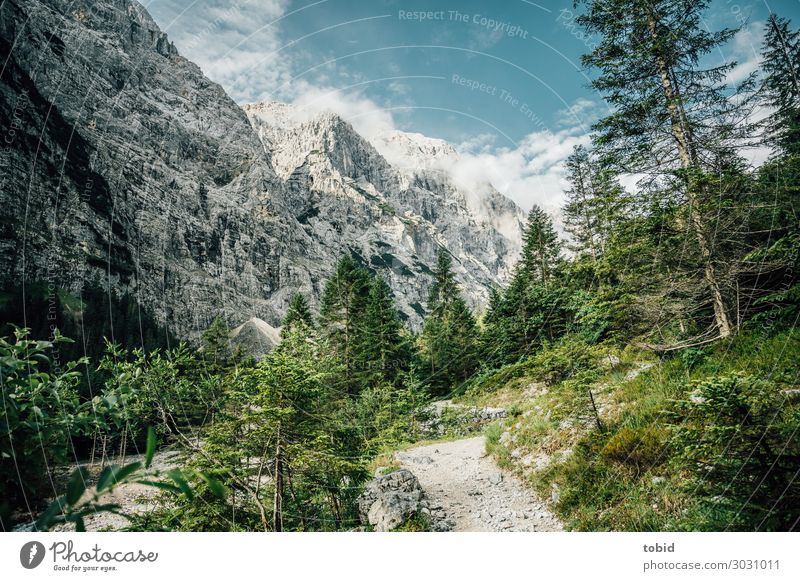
pixel 124 168
pixel 394 215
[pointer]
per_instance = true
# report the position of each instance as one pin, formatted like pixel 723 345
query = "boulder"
pixel 389 501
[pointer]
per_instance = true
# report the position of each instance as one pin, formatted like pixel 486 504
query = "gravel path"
pixel 465 487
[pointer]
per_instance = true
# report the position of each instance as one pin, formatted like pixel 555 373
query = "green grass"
pixel 630 474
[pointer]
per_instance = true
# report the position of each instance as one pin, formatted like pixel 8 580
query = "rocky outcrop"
pixel 391 500
pixel 126 170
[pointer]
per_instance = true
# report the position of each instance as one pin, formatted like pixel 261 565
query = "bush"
pixel 739 434
pixel 41 413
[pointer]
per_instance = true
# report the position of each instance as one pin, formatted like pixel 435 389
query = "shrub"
pixel 739 434
pixel 41 413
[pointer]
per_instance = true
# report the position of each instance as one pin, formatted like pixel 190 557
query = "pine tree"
pixel 781 84
pixel 385 351
pixel 541 250
pixel 669 114
pixel 342 318
pixel 533 307
pixel 449 335
pixel 595 203
pixel 298 315
pixel 216 345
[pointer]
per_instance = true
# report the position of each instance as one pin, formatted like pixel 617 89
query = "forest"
pixel 689 277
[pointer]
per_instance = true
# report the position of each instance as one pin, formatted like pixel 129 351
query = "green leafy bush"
pixel 41 414
pixel 739 434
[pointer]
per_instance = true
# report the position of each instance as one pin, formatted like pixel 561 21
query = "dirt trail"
pixel 465 487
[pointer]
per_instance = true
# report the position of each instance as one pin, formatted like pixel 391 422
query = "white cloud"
pixel 530 173
pixel 746 51
pixel 366 116
pixel 237 44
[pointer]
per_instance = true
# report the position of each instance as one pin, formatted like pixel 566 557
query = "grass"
pixel 628 474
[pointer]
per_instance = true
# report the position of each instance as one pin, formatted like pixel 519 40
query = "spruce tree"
pixel 298 314
pixel 670 113
pixel 531 309
pixel 449 335
pixel 541 250
pixel 385 352
pixel 781 84
pixel 595 203
pixel 342 318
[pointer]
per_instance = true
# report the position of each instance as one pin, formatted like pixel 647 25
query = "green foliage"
pixel 169 391
pixel 216 345
pixel 298 314
pixel 641 448
pixel 739 434
pixel 80 501
pixel 781 83
pixel 449 339
pixel 42 412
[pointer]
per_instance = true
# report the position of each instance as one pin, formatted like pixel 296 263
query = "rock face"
pixel 394 216
pixel 126 169
pixel 389 501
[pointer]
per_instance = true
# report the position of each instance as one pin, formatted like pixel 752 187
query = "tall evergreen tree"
pixel 298 314
pixel 450 334
pixel 342 317
pixel 670 114
pixel 541 250
pixel 781 84
pixel 385 350
pixel 531 309
pixel 595 203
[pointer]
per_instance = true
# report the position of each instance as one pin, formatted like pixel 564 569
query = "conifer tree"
pixel 385 351
pixel 449 336
pixel 595 202
pixel 670 114
pixel 531 309
pixel 541 250
pixel 298 314
pixel 342 315
pixel 781 84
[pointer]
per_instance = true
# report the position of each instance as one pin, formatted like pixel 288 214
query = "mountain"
pixel 127 173
pixel 396 214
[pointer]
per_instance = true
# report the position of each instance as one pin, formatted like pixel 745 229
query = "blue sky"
pixel 500 80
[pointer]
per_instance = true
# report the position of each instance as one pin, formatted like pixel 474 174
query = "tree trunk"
pixel 688 161
pixel 277 506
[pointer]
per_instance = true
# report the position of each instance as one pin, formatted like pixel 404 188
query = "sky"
pixel 502 80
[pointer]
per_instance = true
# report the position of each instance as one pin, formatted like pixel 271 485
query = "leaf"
pixel 46 519
pixel 171 488
pixel 122 473
pixel 151 447
pixel 80 527
pixel 179 479
pixel 215 486
pixel 104 477
pixel 76 486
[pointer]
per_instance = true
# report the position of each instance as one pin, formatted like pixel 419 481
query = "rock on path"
pixel 465 487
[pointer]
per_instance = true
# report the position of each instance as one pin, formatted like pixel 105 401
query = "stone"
pixel 389 501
